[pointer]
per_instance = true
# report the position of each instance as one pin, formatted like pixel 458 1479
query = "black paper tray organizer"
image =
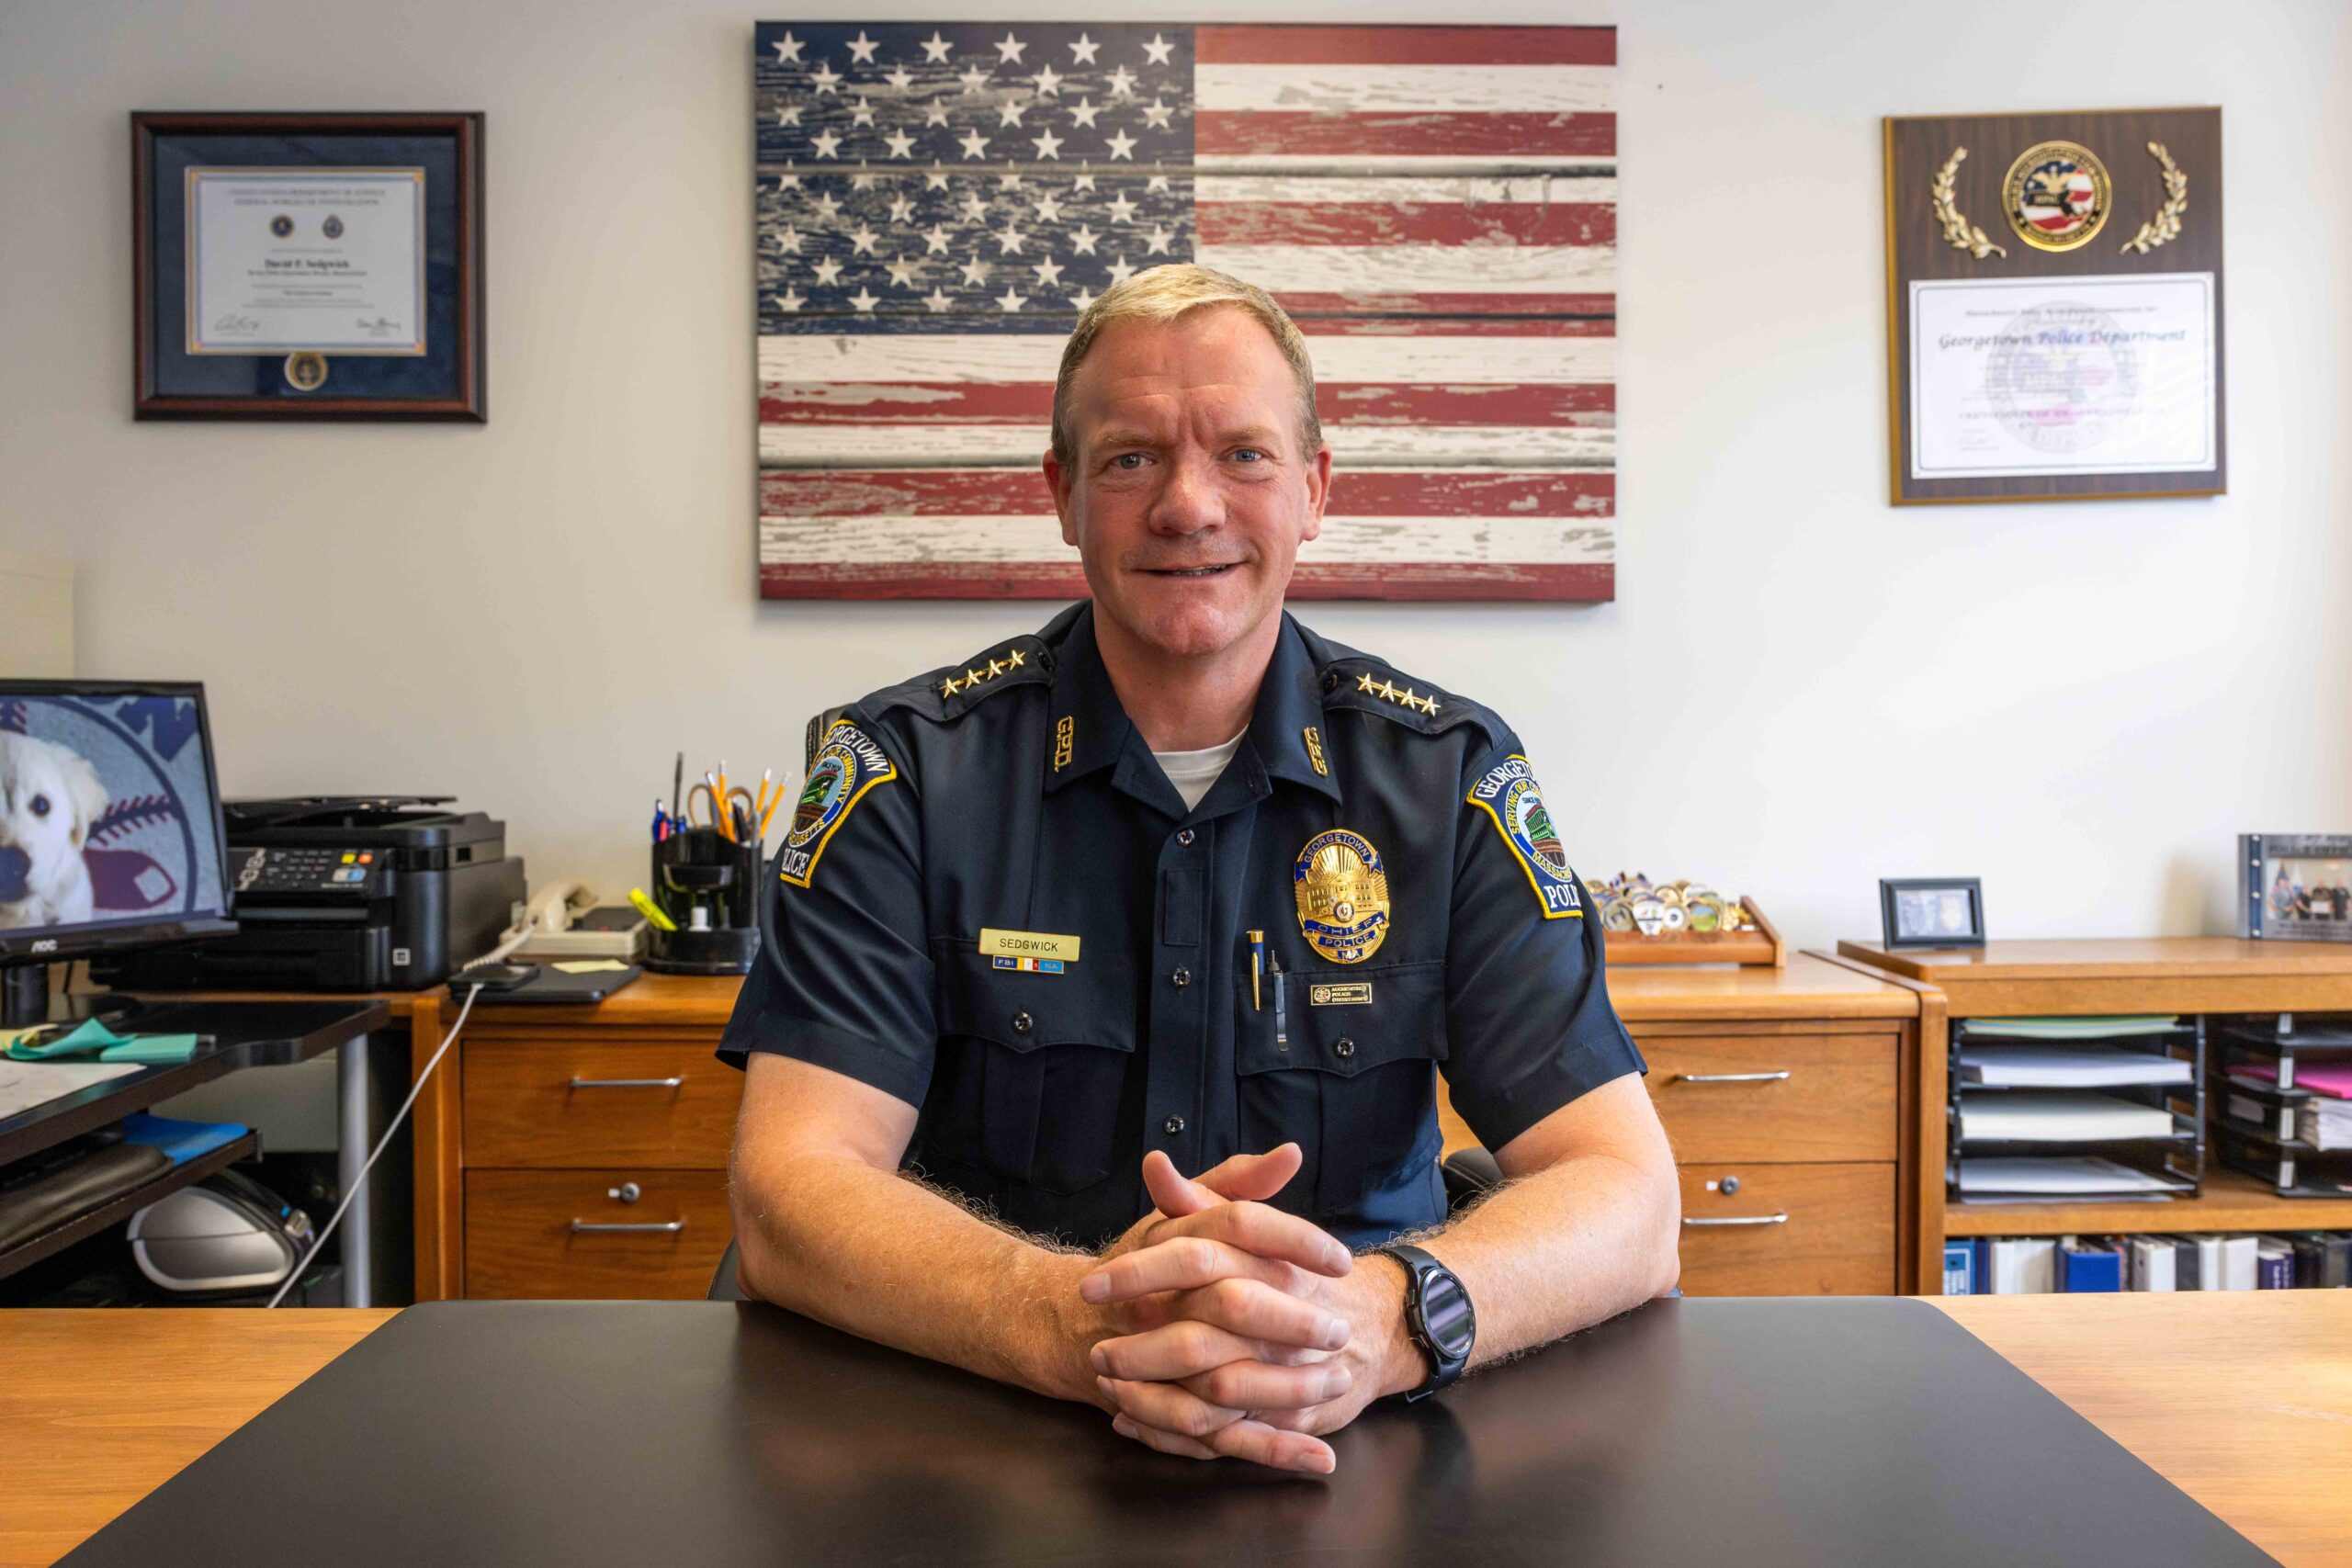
pixel 2178 1154
pixel 2323 1041
pixel 2289 1171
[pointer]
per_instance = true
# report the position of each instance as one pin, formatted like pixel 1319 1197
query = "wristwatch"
pixel 1437 1315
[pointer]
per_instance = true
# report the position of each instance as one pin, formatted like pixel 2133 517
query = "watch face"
pixel 1445 1310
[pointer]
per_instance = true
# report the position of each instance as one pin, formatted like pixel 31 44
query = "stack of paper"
pixel 24 1085
pixel 2053 1066
pixel 2325 1124
pixel 2059 1117
pixel 2078 1176
pixel 2069 1028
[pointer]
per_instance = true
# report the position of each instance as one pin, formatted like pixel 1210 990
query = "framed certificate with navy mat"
pixel 307 266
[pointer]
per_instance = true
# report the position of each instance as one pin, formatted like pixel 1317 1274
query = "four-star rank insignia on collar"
pixel 1404 696
pixel 1013 659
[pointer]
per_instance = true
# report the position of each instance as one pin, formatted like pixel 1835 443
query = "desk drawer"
pixel 1837 1237
pixel 569 1101
pixel 522 1240
pixel 1775 1097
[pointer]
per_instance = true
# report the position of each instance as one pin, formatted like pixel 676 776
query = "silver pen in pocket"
pixel 1281 1020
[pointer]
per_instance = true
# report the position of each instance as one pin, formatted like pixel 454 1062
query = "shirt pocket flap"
pixel 1088 1003
pixel 1402 1019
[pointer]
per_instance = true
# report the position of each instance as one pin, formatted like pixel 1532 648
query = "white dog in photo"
pixel 48 798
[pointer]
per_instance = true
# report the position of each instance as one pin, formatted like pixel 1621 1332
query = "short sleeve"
pixel 844 976
pixel 1527 993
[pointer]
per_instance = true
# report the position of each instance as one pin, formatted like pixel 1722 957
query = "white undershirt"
pixel 1193 771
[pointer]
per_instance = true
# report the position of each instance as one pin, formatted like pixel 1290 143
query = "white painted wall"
pixel 1800 689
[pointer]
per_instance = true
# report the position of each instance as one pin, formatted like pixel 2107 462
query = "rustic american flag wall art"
pixel 1435 206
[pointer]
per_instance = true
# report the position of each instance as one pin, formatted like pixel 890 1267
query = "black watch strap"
pixel 1437 1316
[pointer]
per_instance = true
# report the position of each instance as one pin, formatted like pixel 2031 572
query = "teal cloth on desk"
pixel 94 1040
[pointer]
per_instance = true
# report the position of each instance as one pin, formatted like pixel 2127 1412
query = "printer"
pixel 345 893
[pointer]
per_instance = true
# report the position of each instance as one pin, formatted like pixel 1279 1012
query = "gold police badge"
pixel 1342 889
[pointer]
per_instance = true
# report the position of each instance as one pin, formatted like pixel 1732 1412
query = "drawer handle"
pixel 1735 1077
pixel 1779 1219
pixel 582 1227
pixel 630 1083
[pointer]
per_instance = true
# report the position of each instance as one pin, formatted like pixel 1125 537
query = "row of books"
pixel 2040 1265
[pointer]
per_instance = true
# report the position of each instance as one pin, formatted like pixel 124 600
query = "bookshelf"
pixel 2231 1200
pixel 2183 976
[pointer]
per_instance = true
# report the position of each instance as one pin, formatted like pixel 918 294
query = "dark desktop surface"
pixel 1750 1431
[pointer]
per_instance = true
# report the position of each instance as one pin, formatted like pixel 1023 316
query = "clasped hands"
pixel 1218 1326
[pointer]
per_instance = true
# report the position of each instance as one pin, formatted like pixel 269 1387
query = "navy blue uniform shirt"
pixel 992 904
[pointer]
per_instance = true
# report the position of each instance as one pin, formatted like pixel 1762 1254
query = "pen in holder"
pixel 708 883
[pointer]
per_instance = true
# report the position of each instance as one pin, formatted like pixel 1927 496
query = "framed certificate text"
pixel 308 266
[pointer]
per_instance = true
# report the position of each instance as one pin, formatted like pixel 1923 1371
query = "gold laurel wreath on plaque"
pixel 2165 224
pixel 1958 231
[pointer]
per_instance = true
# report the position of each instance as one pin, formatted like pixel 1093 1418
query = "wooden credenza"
pixel 583 1151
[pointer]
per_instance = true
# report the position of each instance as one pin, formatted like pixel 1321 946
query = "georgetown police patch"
pixel 848 765
pixel 1509 794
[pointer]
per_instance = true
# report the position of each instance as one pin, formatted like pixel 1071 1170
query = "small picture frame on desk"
pixel 1931 912
pixel 307 267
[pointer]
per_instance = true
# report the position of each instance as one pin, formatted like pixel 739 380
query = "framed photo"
pixel 2055 306
pixel 307 266
pixel 2295 886
pixel 1931 912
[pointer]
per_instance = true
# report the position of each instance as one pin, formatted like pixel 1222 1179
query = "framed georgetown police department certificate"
pixel 2056 307
pixel 2012 377
pixel 307 265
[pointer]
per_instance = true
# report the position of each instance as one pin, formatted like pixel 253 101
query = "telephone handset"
pixel 555 908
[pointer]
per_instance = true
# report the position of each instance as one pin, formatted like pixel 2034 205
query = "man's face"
pixel 1187 492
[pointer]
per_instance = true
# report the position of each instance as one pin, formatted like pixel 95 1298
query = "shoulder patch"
pixel 847 765
pixel 1508 793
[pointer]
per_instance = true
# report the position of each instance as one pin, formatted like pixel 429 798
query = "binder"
pixel 2274 1264
pixel 2151 1262
pixel 2323 1260
pixel 2024 1265
pixel 2088 1266
pixel 1959 1268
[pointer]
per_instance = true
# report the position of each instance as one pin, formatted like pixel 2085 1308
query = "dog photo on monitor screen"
pixel 50 794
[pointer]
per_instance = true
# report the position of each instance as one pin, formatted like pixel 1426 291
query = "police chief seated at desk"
pixel 1176 886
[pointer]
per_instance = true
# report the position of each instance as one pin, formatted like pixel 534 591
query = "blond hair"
pixel 1165 293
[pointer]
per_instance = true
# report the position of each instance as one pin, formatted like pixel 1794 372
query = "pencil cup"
pixel 708 883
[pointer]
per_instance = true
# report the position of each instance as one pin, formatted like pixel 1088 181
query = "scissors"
pixel 706 798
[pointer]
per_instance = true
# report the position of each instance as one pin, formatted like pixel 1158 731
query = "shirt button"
pixel 1184 837
pixel 1343 1046
pixel 1172 1126
pixel 1182 979
pixel 1022 1023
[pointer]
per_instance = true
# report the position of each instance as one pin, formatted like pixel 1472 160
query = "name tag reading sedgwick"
pixel 1046 947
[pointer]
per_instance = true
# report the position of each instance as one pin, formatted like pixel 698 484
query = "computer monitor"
pixel 110 831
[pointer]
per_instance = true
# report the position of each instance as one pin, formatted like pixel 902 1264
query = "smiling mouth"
pixel 1191 571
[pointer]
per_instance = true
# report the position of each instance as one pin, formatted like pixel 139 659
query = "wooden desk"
pixel 98 1408
pixel 1791 1090
pixel 2242 1400
pixel 2249 1412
